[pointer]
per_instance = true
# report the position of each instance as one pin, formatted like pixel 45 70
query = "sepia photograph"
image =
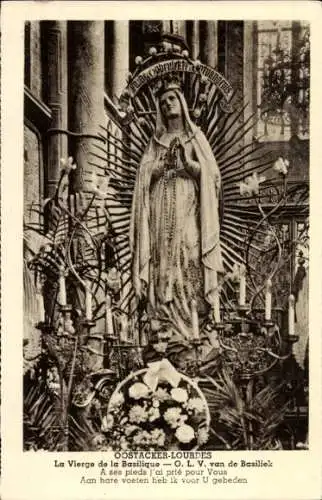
pixel 166 174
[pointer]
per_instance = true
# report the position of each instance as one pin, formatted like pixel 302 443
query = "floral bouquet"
pixel 157 408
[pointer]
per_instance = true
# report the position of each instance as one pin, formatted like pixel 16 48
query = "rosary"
pixel 171 165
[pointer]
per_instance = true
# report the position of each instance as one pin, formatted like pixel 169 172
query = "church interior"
pixel 86 337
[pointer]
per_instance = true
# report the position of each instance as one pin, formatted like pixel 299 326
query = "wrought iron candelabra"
pixel 251 347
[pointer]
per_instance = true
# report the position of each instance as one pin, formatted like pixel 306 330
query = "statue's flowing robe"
pixel 174 233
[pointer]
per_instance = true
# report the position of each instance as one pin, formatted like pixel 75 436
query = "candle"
pixel 123 329
pixel 41 307
pixel 143 338
pixel 242 285
pixel 291 302
pixel 194 320
pixel 213 337
pixel 301 96
pixel 88 302
pixel 108 315
pixel 217 306
pixel 62 288
pixel 268 300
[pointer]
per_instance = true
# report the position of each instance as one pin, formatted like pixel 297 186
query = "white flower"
pixel 154 414
pixel 195 404
pixel 138 60
pixel 138 390
pixel 67 165
pixel 244 189
pixel 281 166
pixel 174 417
pixel 129 429
pixel 139 438
pixel 250 186
pixel 179 395
pixel 137 414
pixel 203 436
pixel 107 423
pixel 161 394
pixel 185 433
pixel 98 440
pixel 157 437
pixel 116 400
pixel 124 445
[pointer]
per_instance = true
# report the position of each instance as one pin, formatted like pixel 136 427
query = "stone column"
pixel 179 28
pixel 35 60
pixel 120 57
pixel 192 37
pixel 86 115
pixel 208 43
pixel 86 96
pixel 57 98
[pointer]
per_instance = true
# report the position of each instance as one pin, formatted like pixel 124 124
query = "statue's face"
pixel 170 105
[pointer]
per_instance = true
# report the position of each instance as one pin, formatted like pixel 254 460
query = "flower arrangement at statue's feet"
pixel 156 408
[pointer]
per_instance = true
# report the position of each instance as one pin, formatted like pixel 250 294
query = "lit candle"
pixel 242 285
pixel 268 300
pixel 62 288
pixel 217 306
pixel 291 302
pixel 88 302
pixel 108 315
pixel 194 320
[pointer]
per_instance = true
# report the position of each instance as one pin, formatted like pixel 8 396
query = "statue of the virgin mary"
pixel 174 234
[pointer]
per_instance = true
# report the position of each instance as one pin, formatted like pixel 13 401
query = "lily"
pixel 281 165
pixel 68 165
pixel 251 185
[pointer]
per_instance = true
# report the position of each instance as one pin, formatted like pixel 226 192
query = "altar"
pixel 157 288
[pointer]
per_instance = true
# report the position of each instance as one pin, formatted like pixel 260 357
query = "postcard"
pixel 161 290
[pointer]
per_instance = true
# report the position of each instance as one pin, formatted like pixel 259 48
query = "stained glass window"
pixel 282 79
